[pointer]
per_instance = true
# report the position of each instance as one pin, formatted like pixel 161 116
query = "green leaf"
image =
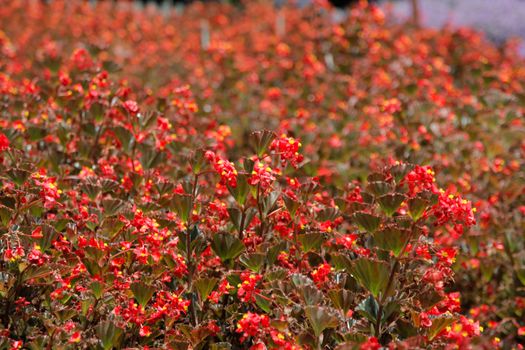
pixel 150 157
pixel 227 246
pixel 278 274
pixel 291 205
pixel 311 295
pixel 8 202
pixel 205 287
pixel 373 275
pixel 197 240
pixel 32 273
pixel 253 261
pixel 307 289
pixel 97 111
pixel 111 66
pixel 182 204
pixel 125 137
pixel 108 185
pixel 367 222
pixel 142 292
pixel 368 308
pixel 269 203
pixel 19 176
pixel 321 318
pixel 301 281
pixel 65 314
pixel 241 191
pixel 310 241
pixel 112 206
pixel 379 188
pixel 520 273
pixel 234 279
pixel 341 298
pixel 429 298
pixel 327 214
pixel 5 215
pixel 237 219
pixel 487 271
pixel 261 140
pixel 340 262
pixel 164 187
pixel 91 266
pixel 391 238
pixel 198 161
pixel 97 288
pixel 416 207
pixel 109 334
pixel 274 251
pixel 438 324
pixel 389 203
pixel 36 133
pixel 91 189
pixel 263 303
pixel 399 171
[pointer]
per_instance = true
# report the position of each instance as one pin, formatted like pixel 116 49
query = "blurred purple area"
pixel 499 19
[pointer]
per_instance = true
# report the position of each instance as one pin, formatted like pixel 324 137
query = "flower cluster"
pixel 224 168
pixel 288 149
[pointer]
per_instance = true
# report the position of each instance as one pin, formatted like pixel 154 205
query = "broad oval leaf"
pixel 205 287
pixel 392 238
pixel 310 241
pixel 142 292
pixel 390 203
pixel 371 274
pixel 367 222
pixel 227 246
pixel 321 318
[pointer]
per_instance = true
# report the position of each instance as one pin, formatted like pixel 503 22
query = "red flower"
pixel 252 325
pixel 371 344
pixel 248 287
pixel 224 168
pixel 4 142
pixel 320 275
pixel 144 331
pixel 288 149
pixel 75 337
pixel 261 174
pixel 421 178
pixel 521 331
pixel 131 106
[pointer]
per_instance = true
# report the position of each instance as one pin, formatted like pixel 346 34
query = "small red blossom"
pixel 321 273
pixel 75 337
pixel 224 168
pixel 261 175
pixel 4 142
pixel 144 331
pixel 288 149
pixel 131 106
pixel 252 325
pixel 248 287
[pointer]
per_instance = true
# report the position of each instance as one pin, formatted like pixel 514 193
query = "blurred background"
pixel 499 19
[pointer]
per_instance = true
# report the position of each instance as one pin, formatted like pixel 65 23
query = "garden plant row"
pixel 237 177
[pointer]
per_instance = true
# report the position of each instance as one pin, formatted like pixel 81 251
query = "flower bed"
pixel 258 178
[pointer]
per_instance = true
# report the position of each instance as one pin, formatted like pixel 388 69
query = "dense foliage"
pixel 253 177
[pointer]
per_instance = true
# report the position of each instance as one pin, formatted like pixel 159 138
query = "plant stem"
pixel 393 272
pixel 241 227
pixel 189 252
pixel 383 297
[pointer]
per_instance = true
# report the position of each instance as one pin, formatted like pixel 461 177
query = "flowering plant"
pixel 314 190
